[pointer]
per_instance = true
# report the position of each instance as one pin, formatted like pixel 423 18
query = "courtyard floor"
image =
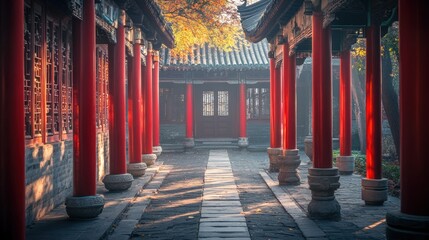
pixel 218 194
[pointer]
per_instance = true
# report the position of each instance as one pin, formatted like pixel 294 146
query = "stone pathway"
pixel 221 213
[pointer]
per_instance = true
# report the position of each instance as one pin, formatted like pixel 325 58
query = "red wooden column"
pixel 118 179
pixel 136 167
pixel 148 156
pixel 84 168
pixel 242 140
pixel 374 188
pixel 289 160
pixel 345 162
pixel 156 133
pixel 189 141
pixel 12 140
pixel 412 221
pixel 275 135
pixel 322 179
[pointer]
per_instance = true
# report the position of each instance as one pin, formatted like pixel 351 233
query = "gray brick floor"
pixel 173 206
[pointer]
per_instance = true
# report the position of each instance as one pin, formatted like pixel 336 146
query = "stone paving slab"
pixel 57 223
pixel 218 218
pixel 123 228
pixel 308 228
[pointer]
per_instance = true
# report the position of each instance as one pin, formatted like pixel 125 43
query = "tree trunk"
pixel 359 109
pixel 390 99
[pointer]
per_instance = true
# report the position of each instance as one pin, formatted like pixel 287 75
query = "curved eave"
pixel 277 10
pixel 152 11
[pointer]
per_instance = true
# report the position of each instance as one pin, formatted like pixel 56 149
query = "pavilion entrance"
pixel 216 110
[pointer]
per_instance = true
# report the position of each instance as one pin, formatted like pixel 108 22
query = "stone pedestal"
pixel 288 164
pixel 374 191
pixel 189 143
pixel 84 207
pixel 118 182
pixel 157 150
pixel 405 226
pixel 323 182
pixel 346 164
pixel 243 142
pixel 273 155
pixel 136 169
pixel 149 159
pixel 308 147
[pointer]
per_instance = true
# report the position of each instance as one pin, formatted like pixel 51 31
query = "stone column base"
pixel 346 164
pixel 288 163
pixel 189 143
pixel 149 159
pixel 405 226
pixel 136 169
pixel 273 155
pixel 84 207
pixel 374 191
pixel 243 142
pixel 157 150
pixel 118 182
pixel 308 147
pixel 323 182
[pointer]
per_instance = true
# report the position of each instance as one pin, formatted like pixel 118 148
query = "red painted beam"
pixel 373 103
pixel 12 140
pixel 414 85
pixel 156 133
pixel 136 95
pixel 86 170
pixel 345 104
pixel 322 93
pixel 189 111
pixel 148 106
pixel 243 118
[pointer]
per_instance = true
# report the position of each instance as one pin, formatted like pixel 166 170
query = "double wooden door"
pixel 216 110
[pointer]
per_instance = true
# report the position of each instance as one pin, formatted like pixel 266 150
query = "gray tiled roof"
pixel 245 56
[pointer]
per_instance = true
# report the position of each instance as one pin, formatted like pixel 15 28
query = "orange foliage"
pixel 196 22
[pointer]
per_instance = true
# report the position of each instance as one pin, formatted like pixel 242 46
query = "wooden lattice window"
pixel 47 77
pixel 258 103
pixel 102 82
pixel 208 103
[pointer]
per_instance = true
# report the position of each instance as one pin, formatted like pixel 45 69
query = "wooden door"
pixel 216 111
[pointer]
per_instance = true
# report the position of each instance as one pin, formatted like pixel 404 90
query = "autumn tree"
pixel 196 22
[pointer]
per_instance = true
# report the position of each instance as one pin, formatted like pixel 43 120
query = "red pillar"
pixel 136 96
pixel 189 111
pixel 130 100
pixel 322 94
pixel 345 105
pixel 323 179
pixel 373 103
pixel 85 170
pixel 156 132
pixel 345 162
pixel 289 92
pixel 242 110
pixel 148 105
pixel 412 221
pixel 12 140
pixel 414 69
pixel 118 156
pixel 275 136
pixel 284 93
